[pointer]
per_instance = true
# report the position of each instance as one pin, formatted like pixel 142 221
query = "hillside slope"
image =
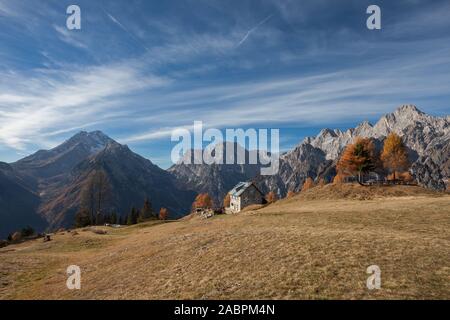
pixel 294 249
pixel 18 205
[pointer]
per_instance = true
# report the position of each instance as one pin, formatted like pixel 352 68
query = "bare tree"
pixel 96 195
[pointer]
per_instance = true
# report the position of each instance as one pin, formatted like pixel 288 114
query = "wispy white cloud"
pixel 52 101
pixel 69 37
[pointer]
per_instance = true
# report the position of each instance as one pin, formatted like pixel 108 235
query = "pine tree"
pixel 99 219
pixel 113 218
pixel 82 218
pixel 147 211
pixel 132 217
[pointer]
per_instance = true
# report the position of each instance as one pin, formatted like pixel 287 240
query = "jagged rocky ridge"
pixel 427 137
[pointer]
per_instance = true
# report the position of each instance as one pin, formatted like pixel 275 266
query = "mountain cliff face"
pixel 427 138
pixel 417 128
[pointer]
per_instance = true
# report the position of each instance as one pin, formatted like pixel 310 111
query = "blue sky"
pixel 139 69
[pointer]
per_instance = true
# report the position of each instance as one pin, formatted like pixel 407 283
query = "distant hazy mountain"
pixel 215 179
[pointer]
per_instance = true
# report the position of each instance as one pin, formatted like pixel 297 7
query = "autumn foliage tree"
pixel 338 179
pixel 321 182
pixel 308 184
pixel 271 197
pixel 394 155
pixel 203 200
pixel 227 201
pixel 358 158
pixel 163 214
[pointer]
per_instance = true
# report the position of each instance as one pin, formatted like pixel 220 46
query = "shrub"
pixel 17 236
pixel 163 214
pixel 309 183
pixel 290 194
pixel 271 197
pixel 338 179
pixel 82 218
pixel 27 232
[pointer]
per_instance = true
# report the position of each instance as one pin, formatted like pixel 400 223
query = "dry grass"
pixel 294 249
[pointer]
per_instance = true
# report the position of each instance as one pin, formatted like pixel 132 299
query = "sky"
pixel 139 69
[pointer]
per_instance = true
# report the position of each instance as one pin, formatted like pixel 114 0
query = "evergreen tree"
pixel 113 219
pixel 132 217
pixel 146 212
pixel 99 219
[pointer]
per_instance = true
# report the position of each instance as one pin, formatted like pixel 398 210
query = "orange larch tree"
pixel 338 179
pixel 290 194
pixel 271 197
pixel 321 182
pixel 163 214
pixel 394 155
pixel 226 201
pixel 309 183
pixel 358 158
pixel 203 200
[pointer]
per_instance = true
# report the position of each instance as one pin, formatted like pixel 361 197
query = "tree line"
pixel 362 158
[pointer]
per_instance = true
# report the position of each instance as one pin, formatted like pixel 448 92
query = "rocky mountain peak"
pixel 93 141
pixel 408 109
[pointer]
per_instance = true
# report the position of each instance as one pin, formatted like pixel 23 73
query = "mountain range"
pixel 43 190
pixel 426 137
